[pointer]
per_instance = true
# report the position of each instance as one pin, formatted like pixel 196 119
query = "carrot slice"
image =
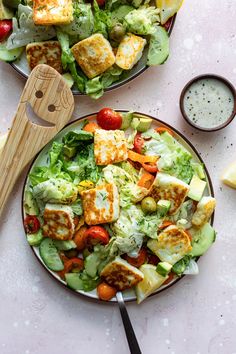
pixel 91 127
pixel 165 224
pixel 134 156
pixel 146 180
pixel 161 130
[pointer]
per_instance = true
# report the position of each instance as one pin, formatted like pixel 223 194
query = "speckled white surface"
pixel 196 316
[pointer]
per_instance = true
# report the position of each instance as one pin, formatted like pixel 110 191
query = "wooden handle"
pixel 52 101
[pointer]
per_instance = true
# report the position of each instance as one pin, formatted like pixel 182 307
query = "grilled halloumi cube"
pixel 169 188
pixel 205 209
pixel 121 274
pixel 171 245
pixel 94 55
pixel 52 12
pixel 101 204
pixel 44 53
pixel 130 51
pixel 58 222
pixel 110 146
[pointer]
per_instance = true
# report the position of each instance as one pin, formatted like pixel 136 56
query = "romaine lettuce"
pixel 142 20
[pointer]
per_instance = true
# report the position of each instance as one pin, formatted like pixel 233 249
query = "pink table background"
pixel 196 316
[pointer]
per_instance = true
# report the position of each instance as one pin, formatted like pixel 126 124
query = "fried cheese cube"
pixel 172 244
pixel 120 274
pixel 169 188
pixel 130 51
pixel 204 211
pixel 44 53
pixel 110 146
pixel 52 12
pixel 58 222
pixel 94 55
pixel 101 204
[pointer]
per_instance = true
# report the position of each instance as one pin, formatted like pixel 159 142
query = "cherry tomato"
pixel 105 291
pixel 150 167
pixel 5 29
pixel 95 235
pixel 101 2
pixel 138 261
pixel 73 265
pixel 138 143
pixel 169 279
pixel 108 119
pixel 153 259
pixel 31 224
pixel 80 238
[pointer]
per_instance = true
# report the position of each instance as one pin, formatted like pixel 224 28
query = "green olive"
pixel 148 205
pixel 117 32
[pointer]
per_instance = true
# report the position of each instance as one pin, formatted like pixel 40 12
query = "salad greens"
pixel 113 20
pixel 140 233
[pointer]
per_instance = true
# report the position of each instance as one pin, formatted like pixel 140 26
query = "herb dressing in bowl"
pixel 208 102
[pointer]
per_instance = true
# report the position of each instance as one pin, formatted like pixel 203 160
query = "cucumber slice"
pixel 50 256
pixel 9 55
pixel 159 47
pixel 91 264
pixel 64 245
pixel 202 239
pixel 74 281
pixel 30 204
pixel 35 239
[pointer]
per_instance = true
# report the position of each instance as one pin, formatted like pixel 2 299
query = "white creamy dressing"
pixel 208 103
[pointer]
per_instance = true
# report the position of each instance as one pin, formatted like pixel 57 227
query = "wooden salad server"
pixel 47 95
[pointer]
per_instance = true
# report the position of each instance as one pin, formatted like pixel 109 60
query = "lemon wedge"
pixel 229 175
pixel 168 8
pixel 150 283
pixel 3 139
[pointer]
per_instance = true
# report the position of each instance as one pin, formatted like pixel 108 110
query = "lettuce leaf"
pixel 25 31
pixel 174 158
pixel 142 20
pixel 66 55
pixel 76 138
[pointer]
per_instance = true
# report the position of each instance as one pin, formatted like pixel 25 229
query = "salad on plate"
pixel 118 203
pixel 93 44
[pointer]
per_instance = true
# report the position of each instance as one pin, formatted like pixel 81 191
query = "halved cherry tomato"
pixel 105 291
pixel 31 224
pixel 169 279
pixel 95 235
pixel 80 238
pixel 91 127
pixel 5 29
pixel 138 261
pixel 161 130
pixel 138 143
pixel 153 259
pixel 150 167
pixel 108 119
pixel 71 265
pixel 101 2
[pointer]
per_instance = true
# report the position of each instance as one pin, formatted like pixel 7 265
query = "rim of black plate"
pixel 116 85
pixel 33 161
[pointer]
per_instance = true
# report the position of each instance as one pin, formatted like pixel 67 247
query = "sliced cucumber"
pixel 9 55
pixel 50 256
pixel 35 239
pixel 202 239
pixel 74 281
pixel 159 47
pixel 91 264
pixel 64 245
pixel 30 204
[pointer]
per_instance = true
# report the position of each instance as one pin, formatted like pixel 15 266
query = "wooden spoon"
pixel 51 99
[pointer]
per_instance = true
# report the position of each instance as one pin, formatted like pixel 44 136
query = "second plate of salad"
pixel 119 201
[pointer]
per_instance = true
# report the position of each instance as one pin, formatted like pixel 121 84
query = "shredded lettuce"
pixel 77 138
pixel 131 193
pixel 174 158
pixel 77 207
pixel 179 267
pixel 55 191
pixel 192 268
pixel 184 213
pixel 25 31
pixel 66 55
pixel 55 152
pixel 102 20
pixel 142 20
pixel 117 175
